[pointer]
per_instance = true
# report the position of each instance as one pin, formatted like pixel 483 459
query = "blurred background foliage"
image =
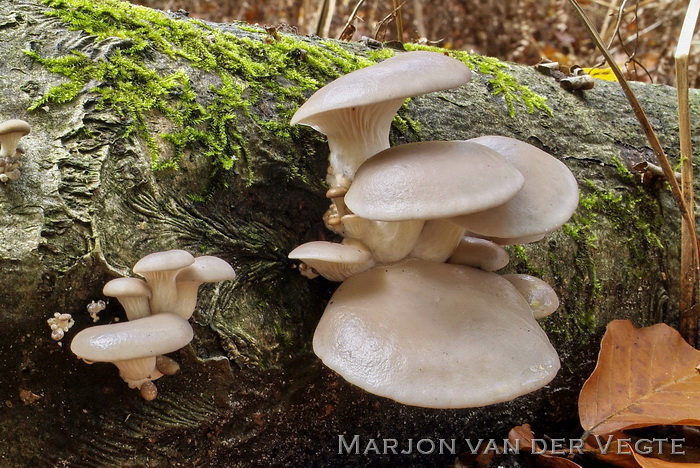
pixel 642 33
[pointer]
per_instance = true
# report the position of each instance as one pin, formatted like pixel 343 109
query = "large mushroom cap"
pixel 435 335
pixel 399 77
pixel 429 180
pixel 145 337
pixel 546 201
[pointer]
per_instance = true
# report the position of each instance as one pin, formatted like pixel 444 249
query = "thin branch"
pixel 352 17
pixel 688 293
pixel 646 127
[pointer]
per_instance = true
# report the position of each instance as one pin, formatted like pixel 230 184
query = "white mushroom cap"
pixel 389 241
pixel 333 261
pixel 438 239
pixel 133 346
pixel 516 240
pixel 479 253
pixel 538 293
pixel 11 131
pixel 205 269
pixel 429 180
pixel 546 201
pixel 146 337
pixel 160 270
pixel 133 294
pixel 435 335
pixel 355 111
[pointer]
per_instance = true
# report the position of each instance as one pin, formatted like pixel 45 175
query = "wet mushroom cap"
pixel 546 201
pixel 145 337
pixel 429 180
pixel 435 335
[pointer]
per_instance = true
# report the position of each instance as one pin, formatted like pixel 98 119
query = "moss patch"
pixel 251 68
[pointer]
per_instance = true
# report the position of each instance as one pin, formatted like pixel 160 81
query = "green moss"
pixel 248 71
pixel 502 83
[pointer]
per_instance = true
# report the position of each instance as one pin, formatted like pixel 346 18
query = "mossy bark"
pixel 89 205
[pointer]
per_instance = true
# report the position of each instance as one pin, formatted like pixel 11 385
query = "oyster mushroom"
pixel 205 269
pixel 479 253
pixel 546 201
pixel 132 293
pixel 11 131
pixel 160 270
pixel 538 293
pixel 388 241
pixel 430 180
pixel 134 346
pixel 336 262
pixel 438 239
pixel 435 335
pixel 355 111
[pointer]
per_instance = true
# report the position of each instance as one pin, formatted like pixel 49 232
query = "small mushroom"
pixel 435 335
pixel 546 201
pixel 160 270
pixel 438 239
pixel 205 269
pixel 134 346
pixel 389 241
pixel 538 293
pixel 430 180
pixel 356 110
pixel 479 253
pixel 11 131
pixel 336 262
pixel 132 293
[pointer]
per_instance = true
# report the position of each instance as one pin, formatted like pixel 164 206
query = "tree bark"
pixel 88 205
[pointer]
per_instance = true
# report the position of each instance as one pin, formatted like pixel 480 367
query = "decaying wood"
pixel 88 206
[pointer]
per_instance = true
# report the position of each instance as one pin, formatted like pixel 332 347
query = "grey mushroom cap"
pixel 399 77
pixel 435 335
pixel 163 261
pixel 145 337
pixel 430 180
pixel 133 294
pixel 356 110
pixel 546 201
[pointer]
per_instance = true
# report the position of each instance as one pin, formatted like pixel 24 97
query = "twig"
pixel 399 20
pixel 689 313
pixel 352 17
pixel 646 127
pixel 386 19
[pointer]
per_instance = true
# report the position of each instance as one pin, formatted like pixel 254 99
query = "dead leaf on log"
pixel 644 377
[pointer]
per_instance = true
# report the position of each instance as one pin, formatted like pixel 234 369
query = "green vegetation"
pixel 246 71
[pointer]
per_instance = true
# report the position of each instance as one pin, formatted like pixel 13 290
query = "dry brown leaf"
pixel 523 437
pixel 647 462
pixel 644 377
pixel 609 450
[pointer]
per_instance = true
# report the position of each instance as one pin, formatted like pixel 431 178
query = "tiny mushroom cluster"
pixel 11 131
pixel 158 310
pixel 421 316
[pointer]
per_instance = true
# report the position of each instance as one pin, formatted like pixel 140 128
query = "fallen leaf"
pixel 523 437
pixel 523 434
pixel 644 377
pixel 608 449
pixel 647 462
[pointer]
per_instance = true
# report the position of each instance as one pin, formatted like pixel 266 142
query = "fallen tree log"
pixel 152 131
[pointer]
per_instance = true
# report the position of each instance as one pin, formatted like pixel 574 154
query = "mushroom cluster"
pixel 158 310
pixel 421 316
pixel 11 132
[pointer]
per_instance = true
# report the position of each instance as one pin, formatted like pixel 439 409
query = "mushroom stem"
pixel 138 370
